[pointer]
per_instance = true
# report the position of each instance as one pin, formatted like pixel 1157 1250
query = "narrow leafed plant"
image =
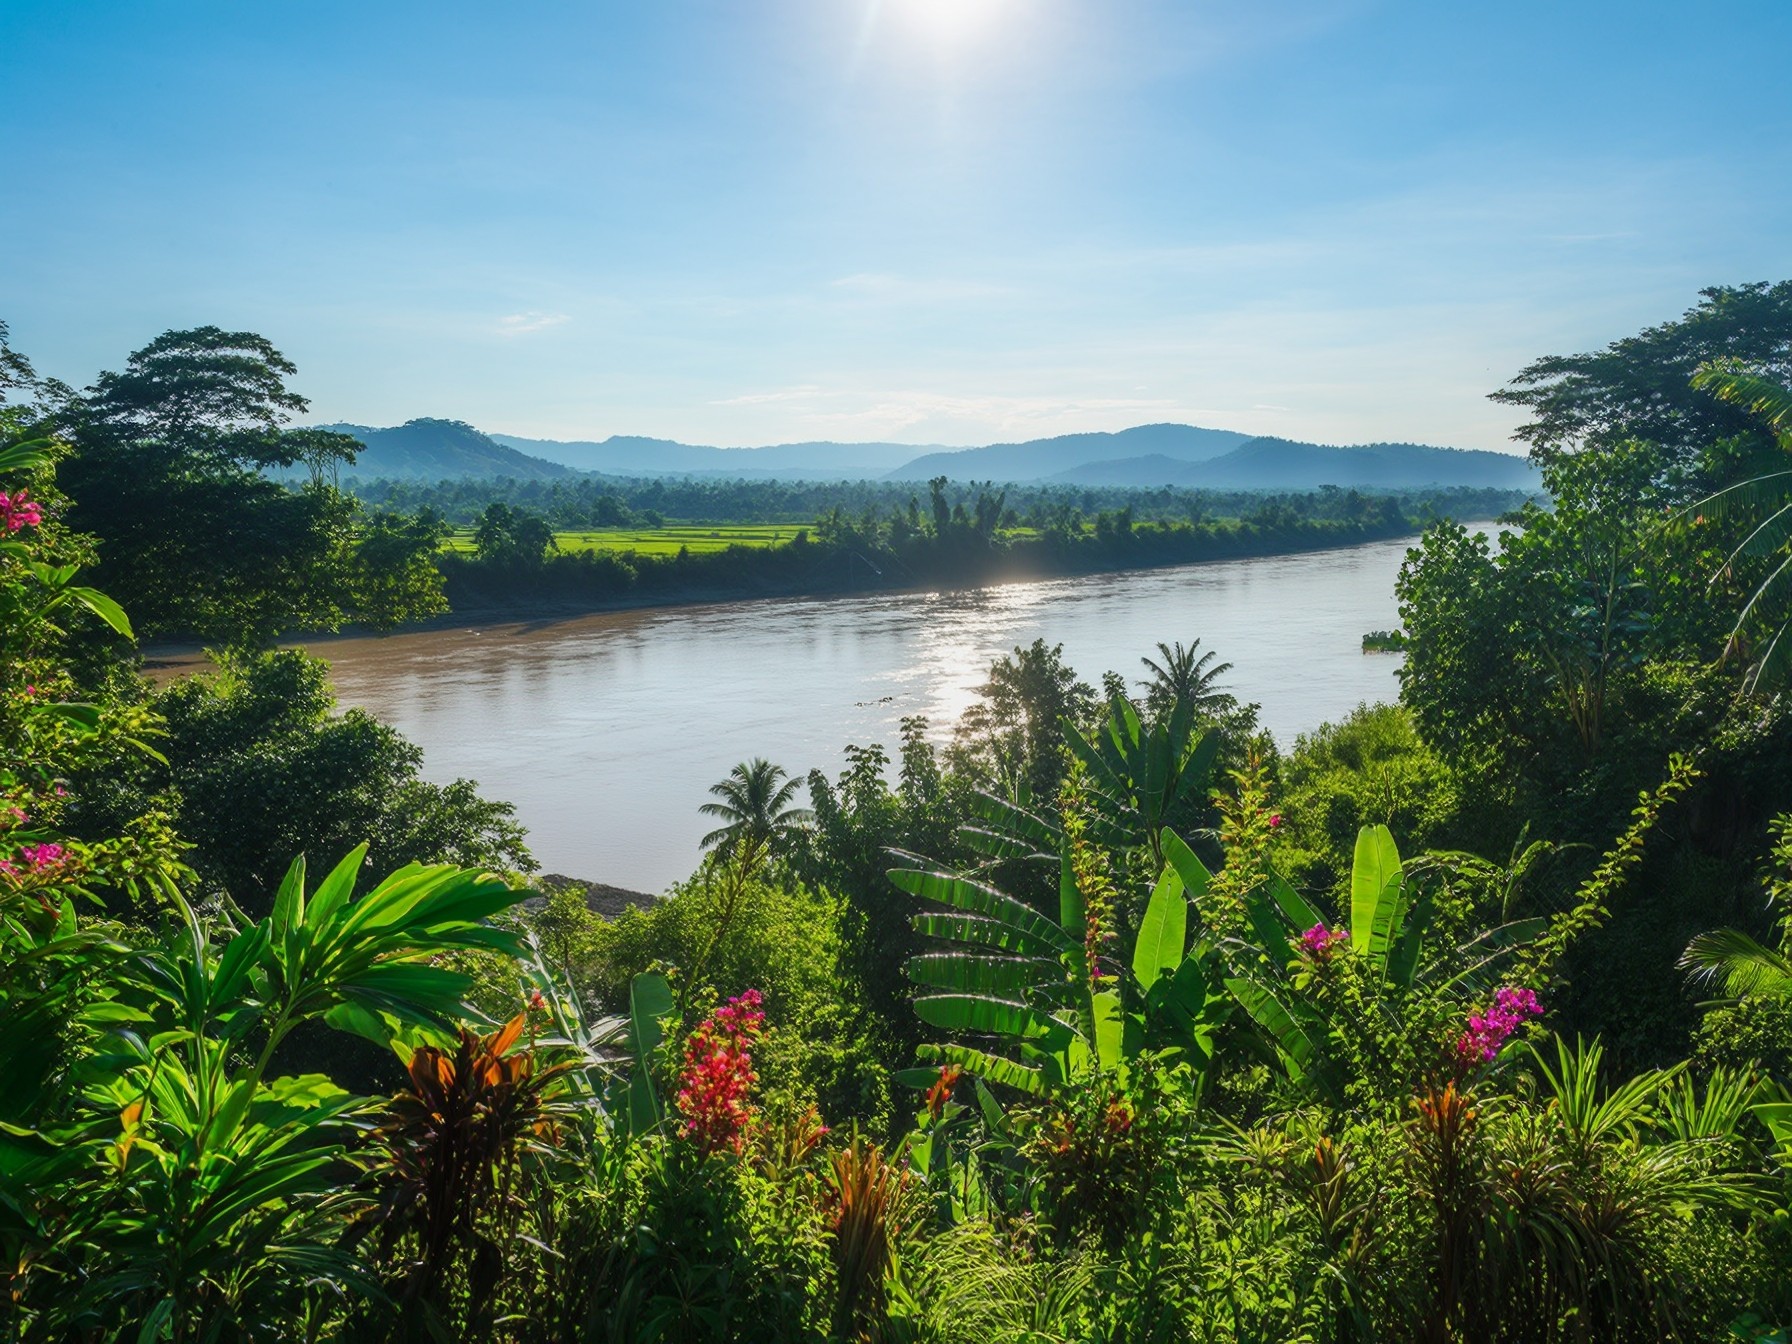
pixel 864 1200
pixel 452 1145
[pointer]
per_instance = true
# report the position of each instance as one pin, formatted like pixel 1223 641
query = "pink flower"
pixel 41 857
pixel 1275 820
pixel 1488 1031
pixel 1319 941
pixel 18 511
pixel 38 860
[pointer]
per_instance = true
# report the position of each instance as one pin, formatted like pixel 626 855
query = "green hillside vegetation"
pixel 1463 1019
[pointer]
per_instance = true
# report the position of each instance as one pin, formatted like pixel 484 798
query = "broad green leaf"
pixel 985 1065
pixel 1108 1033
pixel 1005 977
pixel 1376 893
pixel 1294 907
pixel 994 1017
pixel 980 932
pixel 650 1002
pixel 1163 932
pixel 103 607
pixel 978 898
pixel 1189 868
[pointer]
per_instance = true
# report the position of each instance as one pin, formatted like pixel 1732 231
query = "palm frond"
pixel 1736 961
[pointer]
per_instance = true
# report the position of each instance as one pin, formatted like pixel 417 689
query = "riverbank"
pixel 563 590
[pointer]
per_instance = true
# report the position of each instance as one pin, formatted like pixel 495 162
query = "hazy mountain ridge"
pixel 1287 464
pixel 636 455
pixel 1037 459
pixel 1146 456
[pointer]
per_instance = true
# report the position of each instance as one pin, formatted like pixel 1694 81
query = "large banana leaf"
pixel 990 1017
pixel 1377 895
pixel 1293 1037
pixel 650 1003
pixel 1003 977
pixel 979 898
pixel 1163 931
pixel 995 1068
pixel 980 932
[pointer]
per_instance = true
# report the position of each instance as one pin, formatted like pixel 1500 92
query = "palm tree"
pixel 1772 537
pixel 755 807
pixel 1183 677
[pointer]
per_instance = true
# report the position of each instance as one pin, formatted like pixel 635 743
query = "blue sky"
pixel 933 221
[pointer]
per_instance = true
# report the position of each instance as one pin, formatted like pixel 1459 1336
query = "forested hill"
pixel 435 450
pixel 1282 464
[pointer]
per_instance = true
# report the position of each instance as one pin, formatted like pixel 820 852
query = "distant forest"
pixel 613 501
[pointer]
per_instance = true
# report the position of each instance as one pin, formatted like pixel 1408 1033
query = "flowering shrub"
pixel 1488 1031
pixel 19 510
pixel 718 1074
pixel 1318 942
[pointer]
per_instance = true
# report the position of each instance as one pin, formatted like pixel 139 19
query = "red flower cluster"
pixel 718 1074
pixel 18 511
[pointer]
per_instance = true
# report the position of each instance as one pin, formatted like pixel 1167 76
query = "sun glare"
pixel 950 23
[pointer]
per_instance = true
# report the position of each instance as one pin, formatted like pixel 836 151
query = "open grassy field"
pixel 658 540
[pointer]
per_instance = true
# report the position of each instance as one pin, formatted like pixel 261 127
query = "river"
pixel 606 730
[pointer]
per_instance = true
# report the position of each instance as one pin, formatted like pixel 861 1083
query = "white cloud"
pixel 521 324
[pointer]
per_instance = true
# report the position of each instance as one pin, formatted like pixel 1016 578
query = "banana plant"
pixel 1049 1014
pixel 1379 946
pixel 1138 772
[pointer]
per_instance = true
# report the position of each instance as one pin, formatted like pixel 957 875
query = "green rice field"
pixel 658 540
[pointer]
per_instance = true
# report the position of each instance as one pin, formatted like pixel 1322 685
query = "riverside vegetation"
pixel 1467 1018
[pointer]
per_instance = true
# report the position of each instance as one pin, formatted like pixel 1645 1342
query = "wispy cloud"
pixel 786 394
pixel 882 285
pixel 521 324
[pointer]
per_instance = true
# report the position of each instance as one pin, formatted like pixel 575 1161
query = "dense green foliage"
pixel 593 500
pixel 188 431
pixel 1106 1022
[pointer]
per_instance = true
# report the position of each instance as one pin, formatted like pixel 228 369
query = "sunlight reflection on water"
pixel 607 730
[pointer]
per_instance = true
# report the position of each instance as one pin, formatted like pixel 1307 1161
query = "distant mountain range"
pixel 629 455
pixel 1146 456
pixel 1049 459
pixel 1283 464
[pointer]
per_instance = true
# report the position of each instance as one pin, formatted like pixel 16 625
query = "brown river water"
pixel 606 730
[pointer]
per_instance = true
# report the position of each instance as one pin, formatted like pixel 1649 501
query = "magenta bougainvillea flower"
pixel 1488 1031
pixel 717 1076
pixel 1318 942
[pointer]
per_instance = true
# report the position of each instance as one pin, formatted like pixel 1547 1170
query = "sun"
pixel 949 23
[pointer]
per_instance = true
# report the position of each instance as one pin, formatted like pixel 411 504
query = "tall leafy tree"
pixel 1764 504
pixel 168 474
pixel 1013 738
pixel 1640 387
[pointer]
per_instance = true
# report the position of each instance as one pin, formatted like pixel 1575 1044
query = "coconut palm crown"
pixel 1183 676
pixel 754 805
